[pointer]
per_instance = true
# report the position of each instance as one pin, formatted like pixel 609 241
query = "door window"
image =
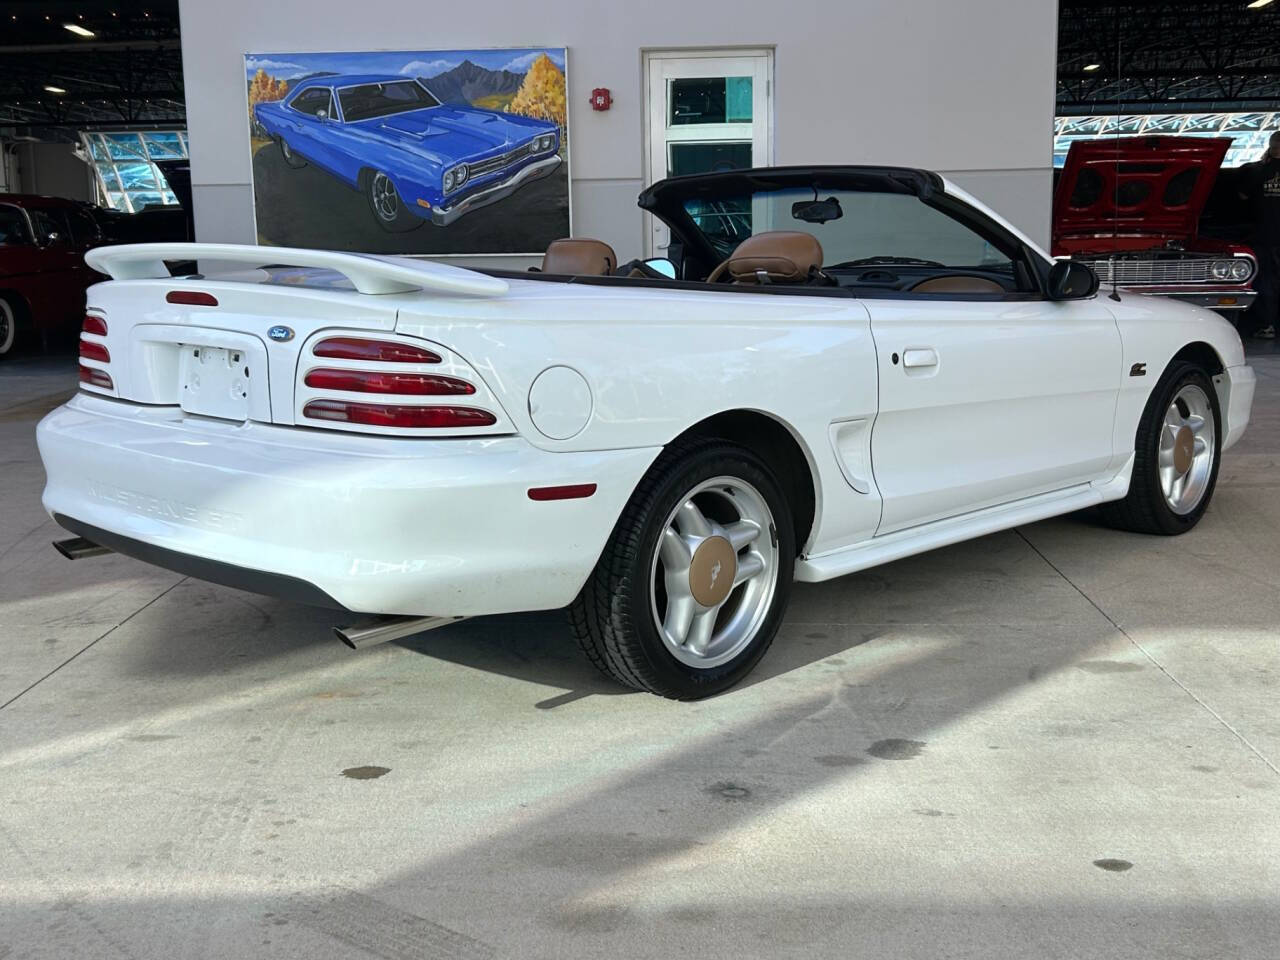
pixel 84 229
pixel 50 224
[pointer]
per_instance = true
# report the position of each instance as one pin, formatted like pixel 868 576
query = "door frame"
pixel 651 56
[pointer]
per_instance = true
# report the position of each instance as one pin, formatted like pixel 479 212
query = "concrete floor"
pixel 1060 741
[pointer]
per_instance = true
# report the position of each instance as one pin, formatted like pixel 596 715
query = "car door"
pixel 986 397
pixel 302 118
pixel 58 268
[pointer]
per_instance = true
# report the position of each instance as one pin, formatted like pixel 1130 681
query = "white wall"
pixel 51 169
pixel 966 89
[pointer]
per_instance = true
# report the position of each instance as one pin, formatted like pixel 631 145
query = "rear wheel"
pixel 1176 456
pixel 290 158
pixel 8 327
pixel 693 584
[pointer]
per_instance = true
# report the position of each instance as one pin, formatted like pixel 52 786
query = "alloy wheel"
pixel 714 572
pixel 1186 449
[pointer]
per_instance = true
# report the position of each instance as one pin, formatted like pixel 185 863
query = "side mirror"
pixel 1071 280
pixel 663 266
pixel 322 116
pixel 50 238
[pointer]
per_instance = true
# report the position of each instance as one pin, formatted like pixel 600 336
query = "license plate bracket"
pixel 216 381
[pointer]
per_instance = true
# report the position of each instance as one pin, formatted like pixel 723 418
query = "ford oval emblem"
pixel 280 333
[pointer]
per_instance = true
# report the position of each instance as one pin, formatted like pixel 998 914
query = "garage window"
pixel 124 166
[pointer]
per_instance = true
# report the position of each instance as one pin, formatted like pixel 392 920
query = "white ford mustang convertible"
pixel 835 367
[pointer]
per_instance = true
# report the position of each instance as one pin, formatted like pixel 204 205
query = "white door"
pixel 982 403
pixel 706 112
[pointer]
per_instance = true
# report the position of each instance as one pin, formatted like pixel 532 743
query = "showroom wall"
pixel 965 89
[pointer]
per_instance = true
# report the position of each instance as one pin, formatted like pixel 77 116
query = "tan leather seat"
pixel 957 285
pixel 778 256
pixel 579 257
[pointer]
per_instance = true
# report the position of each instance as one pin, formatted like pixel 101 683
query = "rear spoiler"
pixel 368 274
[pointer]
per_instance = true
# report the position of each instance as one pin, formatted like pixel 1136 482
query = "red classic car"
pixel 1130 208
pixel 43 275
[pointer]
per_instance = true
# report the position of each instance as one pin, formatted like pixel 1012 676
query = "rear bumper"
pixel 1236 387
pixel 371 524
pixel 443 216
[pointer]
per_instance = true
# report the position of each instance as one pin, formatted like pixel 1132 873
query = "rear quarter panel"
pixel 660 361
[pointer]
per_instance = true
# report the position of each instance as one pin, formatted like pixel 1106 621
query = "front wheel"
pixel 387 205
pixel 694 581
pixel 1176 455
pixel 8 327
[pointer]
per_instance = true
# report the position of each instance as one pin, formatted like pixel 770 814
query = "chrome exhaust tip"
pixel 77 548
pixel 383 629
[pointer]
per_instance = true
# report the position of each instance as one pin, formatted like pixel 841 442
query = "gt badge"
pixel 1138 370
pixel 280 333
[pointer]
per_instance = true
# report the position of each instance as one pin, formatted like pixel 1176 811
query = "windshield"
pixel 382 99
pixel 855 227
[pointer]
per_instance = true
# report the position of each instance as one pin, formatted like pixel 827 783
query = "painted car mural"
pixel 414 157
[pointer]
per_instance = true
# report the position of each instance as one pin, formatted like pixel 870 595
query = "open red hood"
pixel 1152 186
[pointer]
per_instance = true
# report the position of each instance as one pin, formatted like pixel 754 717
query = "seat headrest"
pixel 957 284
pixel 579 257
pixel 781 256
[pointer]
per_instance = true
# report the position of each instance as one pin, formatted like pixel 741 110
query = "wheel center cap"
pixel 1184 446
pixel 711 573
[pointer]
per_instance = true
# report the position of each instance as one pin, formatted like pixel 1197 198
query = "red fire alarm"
pixel 600 99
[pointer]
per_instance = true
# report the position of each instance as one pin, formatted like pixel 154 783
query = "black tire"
pixel 612 616
pixel 9 313
pixel 291 159
pixel 387 206
pixel 1144 509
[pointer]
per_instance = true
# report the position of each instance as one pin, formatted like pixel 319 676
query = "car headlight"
pixel 448 180
pixel 1221 269
pixel 460 174
pixel 1242 269
pixel 545 142
pixel 533 145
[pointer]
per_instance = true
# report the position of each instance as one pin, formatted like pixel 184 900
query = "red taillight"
pixel 94 325
pixel 192 298
pixel 397 415
pixel 91 350
pixel 95 378
pixel 382 351
pixel 572 491
pixel 416 384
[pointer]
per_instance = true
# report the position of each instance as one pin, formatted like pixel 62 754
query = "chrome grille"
pixel 481 167
pixel 1186 270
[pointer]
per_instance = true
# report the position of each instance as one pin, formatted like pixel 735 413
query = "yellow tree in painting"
pixel 264 87
pixel 542 94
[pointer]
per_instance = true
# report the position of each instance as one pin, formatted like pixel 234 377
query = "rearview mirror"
pixel 817 211
pixel 663 266
pixel 1071 280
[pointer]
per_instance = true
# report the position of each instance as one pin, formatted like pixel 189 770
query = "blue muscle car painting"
pixel 414 158
pixel 357 150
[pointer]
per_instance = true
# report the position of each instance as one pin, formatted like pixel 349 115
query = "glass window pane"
pixel 108 172
pixel 115 200
pixel 709 100
pixel 136 175
pixel 164 145
pixel 146 198
pixel 707 157
pixel 124 146
pixel 97 148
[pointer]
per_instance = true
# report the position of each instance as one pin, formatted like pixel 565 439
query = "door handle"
pixel 925 357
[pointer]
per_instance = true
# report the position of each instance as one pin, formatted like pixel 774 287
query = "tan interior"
pixel 579 257
pixel 957 285
pixel 777 256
